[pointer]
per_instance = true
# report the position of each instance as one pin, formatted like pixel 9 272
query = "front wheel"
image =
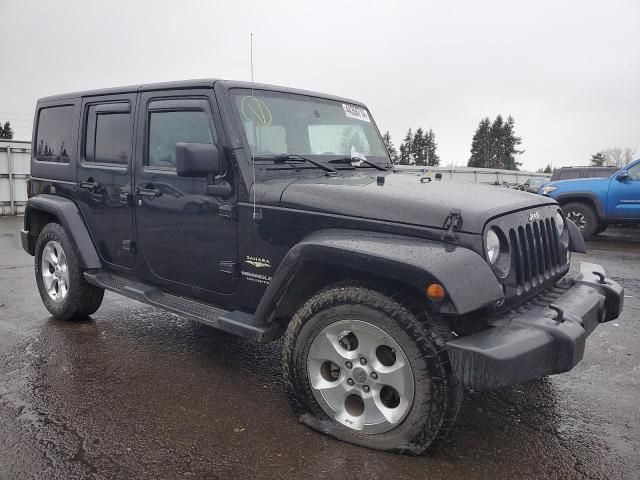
pixel 63 289
pixel 367 367
pixel 583 216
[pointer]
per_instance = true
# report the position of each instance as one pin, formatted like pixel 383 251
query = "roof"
pixel 197 83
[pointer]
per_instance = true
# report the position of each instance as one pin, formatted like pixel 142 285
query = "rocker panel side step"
pixel 235 322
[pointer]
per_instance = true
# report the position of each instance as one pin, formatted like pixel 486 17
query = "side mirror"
pixel 197 159
pixel 622 176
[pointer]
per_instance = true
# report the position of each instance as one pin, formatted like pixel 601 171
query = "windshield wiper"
pixel 349 161
pixel 294 158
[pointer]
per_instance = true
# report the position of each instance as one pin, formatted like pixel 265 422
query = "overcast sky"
pixel 567 71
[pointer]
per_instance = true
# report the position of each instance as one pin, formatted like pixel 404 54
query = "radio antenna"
pixel 253 158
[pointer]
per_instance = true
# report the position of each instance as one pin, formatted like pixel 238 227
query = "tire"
pixel 72 297
pixel 192 208
pixel 601 228
pixel 419 423
pixel 583 216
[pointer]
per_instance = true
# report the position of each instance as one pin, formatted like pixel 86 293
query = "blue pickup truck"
pixel 593 203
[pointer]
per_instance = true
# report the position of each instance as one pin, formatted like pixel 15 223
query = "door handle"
pixel 149 192
pixel 89 184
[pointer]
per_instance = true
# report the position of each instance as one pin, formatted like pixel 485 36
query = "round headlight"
pixel 559 223
pixel 493 246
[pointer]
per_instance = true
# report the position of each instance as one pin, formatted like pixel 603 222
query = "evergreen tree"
pixel 418 147
pixel 598 159
pixel 547 169
pixel 406 149
pixel 432 157
pixel 6 132
pixel 508 145
pixel 494 145
pixel 481 145
pixel 393 153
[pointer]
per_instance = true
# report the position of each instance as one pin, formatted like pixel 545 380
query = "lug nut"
pixel 350 381
pixel 363 361
pixel 349 364
pixel 366 388
pixel 374 375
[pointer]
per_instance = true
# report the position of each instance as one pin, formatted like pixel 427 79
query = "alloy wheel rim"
pixel 55 271
pixel 360 376
pixel 577 218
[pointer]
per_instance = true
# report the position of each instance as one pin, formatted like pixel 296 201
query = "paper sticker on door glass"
pixel 353 111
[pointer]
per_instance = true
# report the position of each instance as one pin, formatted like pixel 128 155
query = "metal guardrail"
pixel 15 163
pixel 475 175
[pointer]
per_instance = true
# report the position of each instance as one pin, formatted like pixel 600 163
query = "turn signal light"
pixel 436 292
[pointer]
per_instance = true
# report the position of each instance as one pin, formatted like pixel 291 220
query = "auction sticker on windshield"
pixel 353 111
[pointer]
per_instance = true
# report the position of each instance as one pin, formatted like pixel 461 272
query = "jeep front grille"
pixel 537 253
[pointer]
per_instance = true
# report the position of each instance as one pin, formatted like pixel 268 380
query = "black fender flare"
pixel 467 278
pixel 71 220
pixel 578 196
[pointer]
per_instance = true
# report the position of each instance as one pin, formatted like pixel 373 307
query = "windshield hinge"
pixel 453 223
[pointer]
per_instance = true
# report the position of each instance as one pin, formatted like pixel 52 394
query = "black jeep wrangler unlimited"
pixel 269 212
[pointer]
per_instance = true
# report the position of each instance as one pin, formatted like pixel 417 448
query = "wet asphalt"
pixel 135 392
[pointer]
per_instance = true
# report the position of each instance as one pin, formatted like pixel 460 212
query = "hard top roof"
pixel 184 84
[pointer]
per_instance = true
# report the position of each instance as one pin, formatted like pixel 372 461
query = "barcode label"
pixel 353 111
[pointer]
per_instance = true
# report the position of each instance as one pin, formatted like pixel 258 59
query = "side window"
pixel 166 128
pixel 108 135
pixel 54 138
pixel 634 172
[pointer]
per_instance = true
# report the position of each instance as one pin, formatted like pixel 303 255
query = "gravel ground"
pixel 135 392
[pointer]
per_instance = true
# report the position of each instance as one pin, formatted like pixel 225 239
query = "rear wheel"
pixel 63 289
pixel 583 216
pixel 366 366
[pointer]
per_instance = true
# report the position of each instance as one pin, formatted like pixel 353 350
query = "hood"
pixel 404 199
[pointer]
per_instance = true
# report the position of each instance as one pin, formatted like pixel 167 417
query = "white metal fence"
pixel 475 175
pixel 15 160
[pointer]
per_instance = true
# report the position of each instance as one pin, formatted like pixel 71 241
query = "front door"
pixel 182 232
pixel 624 195
pixel 104 175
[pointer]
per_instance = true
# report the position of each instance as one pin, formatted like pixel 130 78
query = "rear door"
pixel 185 236
pixel 624 195
pixel 104 175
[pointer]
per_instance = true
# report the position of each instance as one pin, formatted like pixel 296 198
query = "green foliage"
pixel 393 153
pixel 6 132
pixel 547 169
pixel 419 148
pixel 494 145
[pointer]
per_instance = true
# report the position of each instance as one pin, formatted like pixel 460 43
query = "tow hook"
pixel 559 313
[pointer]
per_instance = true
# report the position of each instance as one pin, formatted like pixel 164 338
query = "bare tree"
pixel 618 157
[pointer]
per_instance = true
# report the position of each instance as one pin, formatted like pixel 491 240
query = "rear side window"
pixel 108 134
pixel 54 138
pixel 166 128
pixel 600 172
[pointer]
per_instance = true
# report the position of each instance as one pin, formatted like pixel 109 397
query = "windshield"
pixel 276 123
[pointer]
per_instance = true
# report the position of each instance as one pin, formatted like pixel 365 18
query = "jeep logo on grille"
pixel 533 216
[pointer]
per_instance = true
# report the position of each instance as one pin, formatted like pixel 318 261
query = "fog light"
pixel 435 292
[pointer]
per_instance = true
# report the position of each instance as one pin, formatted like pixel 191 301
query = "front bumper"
pixel 545 336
